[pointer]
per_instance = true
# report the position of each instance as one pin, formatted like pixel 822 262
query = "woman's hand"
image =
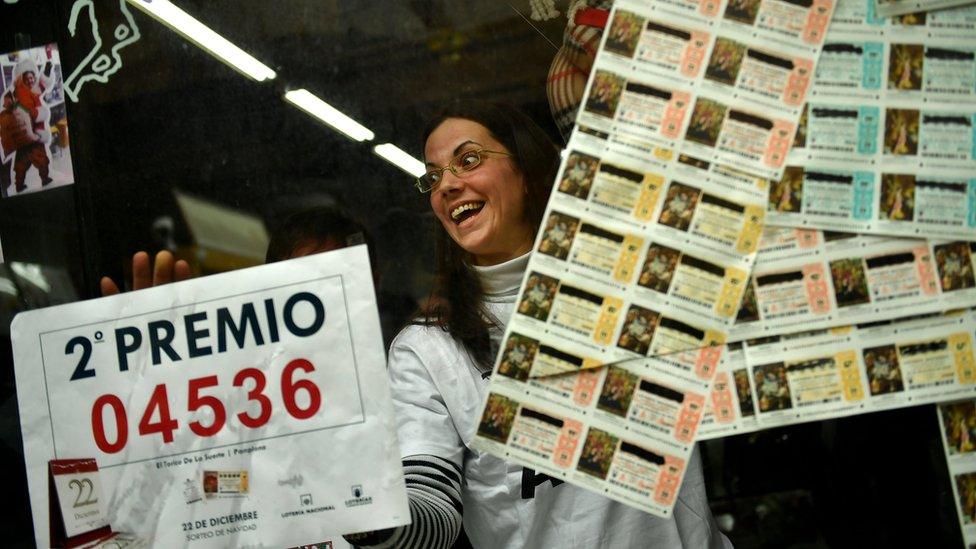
pixel 165 270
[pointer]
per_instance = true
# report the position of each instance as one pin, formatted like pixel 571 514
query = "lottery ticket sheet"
pixel 887 141
pixel 647 242
pixel 807 280
pixel 957 422
pixel 889 8
pixel 721 81
pixel 631 263
pixel 785 380
pixel 624 430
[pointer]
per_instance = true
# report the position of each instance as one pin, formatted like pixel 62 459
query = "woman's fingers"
pixel 141 273
pixel 145 273
pixel 181 271
pixel 108 286
pixel 163 268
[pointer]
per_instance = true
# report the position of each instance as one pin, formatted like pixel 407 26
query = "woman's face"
pixel 492 227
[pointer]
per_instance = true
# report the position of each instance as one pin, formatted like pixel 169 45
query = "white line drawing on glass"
pixel 99 65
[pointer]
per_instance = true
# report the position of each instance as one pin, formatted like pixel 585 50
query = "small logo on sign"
pixel 358 496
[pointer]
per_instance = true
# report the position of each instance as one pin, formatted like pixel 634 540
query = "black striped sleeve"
pixel 434 495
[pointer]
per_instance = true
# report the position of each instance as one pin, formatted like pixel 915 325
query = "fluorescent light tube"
pixel 396 156
pixel 201 35
pixel 325 112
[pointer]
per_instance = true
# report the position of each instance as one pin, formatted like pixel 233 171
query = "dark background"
pixel 174 118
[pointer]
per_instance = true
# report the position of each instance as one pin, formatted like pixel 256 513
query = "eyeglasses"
pixel 462 163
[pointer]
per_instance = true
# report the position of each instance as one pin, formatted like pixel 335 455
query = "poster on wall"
pixel 242 409
pixel 34 147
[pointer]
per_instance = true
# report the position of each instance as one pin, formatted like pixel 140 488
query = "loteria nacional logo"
pixel 358 497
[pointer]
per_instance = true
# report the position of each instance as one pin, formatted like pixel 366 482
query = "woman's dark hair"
pixel 456 304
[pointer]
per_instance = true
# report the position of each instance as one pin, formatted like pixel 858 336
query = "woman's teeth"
pixel 470 206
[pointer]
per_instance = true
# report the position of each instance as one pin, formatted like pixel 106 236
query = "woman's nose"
pixel 449 182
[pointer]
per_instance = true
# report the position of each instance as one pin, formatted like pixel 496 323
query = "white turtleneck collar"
pixel 502 280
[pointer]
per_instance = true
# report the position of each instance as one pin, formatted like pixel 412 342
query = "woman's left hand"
pixel 166 269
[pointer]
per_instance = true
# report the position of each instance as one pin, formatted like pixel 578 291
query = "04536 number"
pixel 157 417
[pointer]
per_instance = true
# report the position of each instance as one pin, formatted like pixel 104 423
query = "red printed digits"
pixel 289 388
pixel 196 402
pixel 158 402
pixel 255 394
pixel 302 399
pixel 121 424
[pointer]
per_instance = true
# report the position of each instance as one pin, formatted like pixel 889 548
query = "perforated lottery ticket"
pixel 624 430
pixel 887 141
pixel 957 423
pixel 719 81
pixel 839 278
pixel 841 372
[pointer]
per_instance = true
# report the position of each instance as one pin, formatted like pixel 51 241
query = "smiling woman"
pixel 489 172
pixel 508 191
pixel 478 197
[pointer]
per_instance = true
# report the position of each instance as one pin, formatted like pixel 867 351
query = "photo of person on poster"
pixel 34 148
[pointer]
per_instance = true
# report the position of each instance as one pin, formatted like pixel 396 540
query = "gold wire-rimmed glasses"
pixel 462 163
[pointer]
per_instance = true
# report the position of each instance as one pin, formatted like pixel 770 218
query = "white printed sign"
pixel 239 409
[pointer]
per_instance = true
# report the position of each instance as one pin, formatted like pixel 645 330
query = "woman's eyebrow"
pixel 457 150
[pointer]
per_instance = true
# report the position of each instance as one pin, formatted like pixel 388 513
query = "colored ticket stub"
pixel 625 430
pixel 193 398
pixel 957 423
pixel 730 410
pixel 740 137
pixel 800 384
pixel 653 112
pixel 854 279
pixel 841 372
